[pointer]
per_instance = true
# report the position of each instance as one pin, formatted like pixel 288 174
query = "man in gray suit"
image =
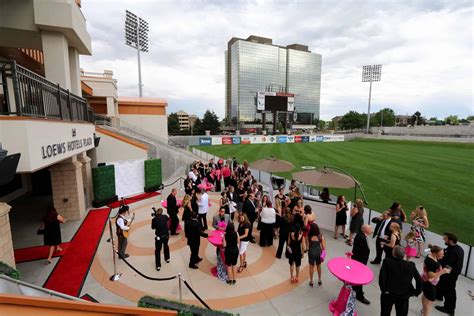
pixel 221 216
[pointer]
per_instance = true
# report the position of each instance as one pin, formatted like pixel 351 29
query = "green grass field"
pixel 439 176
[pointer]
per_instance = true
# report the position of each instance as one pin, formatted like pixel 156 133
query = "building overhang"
pixel 44 142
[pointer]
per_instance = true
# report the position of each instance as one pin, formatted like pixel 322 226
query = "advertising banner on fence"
pixel 205 141
pixel 245 140
pixel 271 139
pixel 235 140
pixel 227 140
pixel 216 141
pixel 333 138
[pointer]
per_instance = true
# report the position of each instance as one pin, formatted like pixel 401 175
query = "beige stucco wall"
pixel 156 125
pixel 112 149
pixel 23 28
pixel 31 138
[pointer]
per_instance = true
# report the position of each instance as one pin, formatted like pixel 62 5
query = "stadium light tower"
pixel 369 74
pixel 136 36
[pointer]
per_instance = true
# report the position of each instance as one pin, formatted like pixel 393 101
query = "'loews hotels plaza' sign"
pixel 63 148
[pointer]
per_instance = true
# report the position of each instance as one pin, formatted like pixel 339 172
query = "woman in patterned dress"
pixel 419 218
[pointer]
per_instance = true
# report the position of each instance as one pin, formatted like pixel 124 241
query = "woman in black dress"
pixel 52 232
pixel 432 271
pixel 231 252
pixel 295 252
pixel 341 216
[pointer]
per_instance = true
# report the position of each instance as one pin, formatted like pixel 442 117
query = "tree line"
pixel 209 122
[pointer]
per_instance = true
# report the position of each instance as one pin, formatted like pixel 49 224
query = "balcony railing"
pixel 35 96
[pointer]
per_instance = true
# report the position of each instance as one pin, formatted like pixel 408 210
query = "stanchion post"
pixel 116 276
pixel 180 288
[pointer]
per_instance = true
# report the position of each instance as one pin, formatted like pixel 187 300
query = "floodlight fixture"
pixel 136 36
pixel 371 73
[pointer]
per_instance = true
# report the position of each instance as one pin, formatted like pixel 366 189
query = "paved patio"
pixel 263 288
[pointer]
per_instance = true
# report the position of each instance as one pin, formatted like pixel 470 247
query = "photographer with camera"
pixel 160 224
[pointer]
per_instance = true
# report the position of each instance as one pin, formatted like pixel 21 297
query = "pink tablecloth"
pixel 164 203
pixel 207 186
pixel 215 238
pixel 350 271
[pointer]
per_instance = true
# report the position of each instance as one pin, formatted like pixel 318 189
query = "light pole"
pixel 371 73
pixel 136 36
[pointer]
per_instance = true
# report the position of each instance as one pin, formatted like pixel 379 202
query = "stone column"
pixel 75 71
pixel 6 244
pixel 68 188
pixel 111 107
pixel 56 58
pixel 86 177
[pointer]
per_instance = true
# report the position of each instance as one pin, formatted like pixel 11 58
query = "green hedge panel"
pixel 153 175
pixel 103 179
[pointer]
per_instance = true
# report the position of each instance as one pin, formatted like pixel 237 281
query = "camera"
pixel 153 214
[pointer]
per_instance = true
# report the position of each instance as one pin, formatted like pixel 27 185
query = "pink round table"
pixel 207 186
pixel 164 203
pixel 351 272
pixel 215 238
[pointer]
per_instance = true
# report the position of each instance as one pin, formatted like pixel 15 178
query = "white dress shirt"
pixel 203 204
pixel 121 223
pixel 192 175
pixel 267 215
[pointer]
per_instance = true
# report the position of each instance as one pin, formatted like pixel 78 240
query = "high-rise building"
pixel 255 64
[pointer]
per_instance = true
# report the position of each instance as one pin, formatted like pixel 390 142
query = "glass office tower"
pixel 255 64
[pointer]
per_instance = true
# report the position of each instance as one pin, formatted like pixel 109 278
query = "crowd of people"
pixel 244 205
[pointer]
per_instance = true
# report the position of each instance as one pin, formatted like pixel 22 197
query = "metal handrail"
pixel 37 96
pixel 39 288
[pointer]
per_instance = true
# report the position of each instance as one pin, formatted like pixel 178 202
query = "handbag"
pixel 40 230
pixel 323 255
pixel 287 252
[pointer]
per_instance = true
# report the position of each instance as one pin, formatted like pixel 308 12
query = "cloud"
pixel 425 48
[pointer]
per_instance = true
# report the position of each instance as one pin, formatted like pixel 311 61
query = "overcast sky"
pixel 425 48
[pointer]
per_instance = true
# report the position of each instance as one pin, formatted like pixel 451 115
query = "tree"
pixel 352 120
pixel 417 119
pixel 173 124
pixel 210 122
pixel 384 117
pixel 452 120
pixel 332 125
pixel 470 118
pixel 321 125
pixel 198 128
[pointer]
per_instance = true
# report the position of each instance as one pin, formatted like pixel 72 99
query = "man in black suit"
pixel 395 281
pixel 160 224
pixel 360 252
pixel 172 207
pixel 192 230
pixel 249 209
pixel 382 229
pixel 233 199
pixel 446 287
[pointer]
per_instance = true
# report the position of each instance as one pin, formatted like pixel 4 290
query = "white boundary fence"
pixel 326 215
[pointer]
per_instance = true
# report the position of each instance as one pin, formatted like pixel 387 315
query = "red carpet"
pixel 89 298
pixel 135 198
pixel 37 253
pixel 70 272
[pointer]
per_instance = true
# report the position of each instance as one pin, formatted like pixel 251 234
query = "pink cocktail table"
pixel 207 186
pixel 164 203
pixel 351 272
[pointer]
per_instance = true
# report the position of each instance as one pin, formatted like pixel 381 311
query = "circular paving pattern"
pixel 264 278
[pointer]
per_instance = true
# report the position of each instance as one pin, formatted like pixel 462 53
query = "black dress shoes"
pixel 363 300
pixel 194 267
pixel 443 309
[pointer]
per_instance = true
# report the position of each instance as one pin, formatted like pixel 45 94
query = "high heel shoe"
pixel 245 264
pixel 320 283
pixel 48 261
